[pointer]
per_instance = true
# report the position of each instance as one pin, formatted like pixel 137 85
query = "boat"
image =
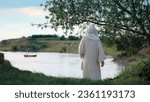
pixel 27 55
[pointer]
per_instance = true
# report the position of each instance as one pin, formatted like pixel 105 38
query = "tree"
pixel 115 18
pixel 14 48
pixel 62 37
pixel 70 37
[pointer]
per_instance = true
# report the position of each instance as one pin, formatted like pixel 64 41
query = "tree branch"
pixel 122 8
pixel 138 20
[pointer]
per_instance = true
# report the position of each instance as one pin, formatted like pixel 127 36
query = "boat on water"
pixel 28 55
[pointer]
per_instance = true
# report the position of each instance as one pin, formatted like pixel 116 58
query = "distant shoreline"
pixel 39 45
pixel 62 46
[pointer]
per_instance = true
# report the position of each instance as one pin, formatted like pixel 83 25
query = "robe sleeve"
pixel 101 53
pixel 81 48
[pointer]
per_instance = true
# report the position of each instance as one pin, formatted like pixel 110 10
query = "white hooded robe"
pixel 92 53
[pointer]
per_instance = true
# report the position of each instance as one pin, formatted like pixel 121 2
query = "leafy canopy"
pixel 117 19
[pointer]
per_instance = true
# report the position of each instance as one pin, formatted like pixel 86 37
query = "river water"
pixel 58 64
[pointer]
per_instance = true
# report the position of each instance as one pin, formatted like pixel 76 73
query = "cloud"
pixel 18 30
pixel 26 11
pixel 31 11
pixel 16 22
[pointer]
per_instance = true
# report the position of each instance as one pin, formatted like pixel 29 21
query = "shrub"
pixel 62 37
pixel 73 38
pixel 129 44
pixel 1 58
pixel 63 49
pixel 14 48
pixel 144 70
pixel 139 73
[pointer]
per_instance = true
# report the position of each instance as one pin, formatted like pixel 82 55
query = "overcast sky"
pixel 16 17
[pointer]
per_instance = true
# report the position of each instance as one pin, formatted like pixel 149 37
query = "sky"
pixel 16 17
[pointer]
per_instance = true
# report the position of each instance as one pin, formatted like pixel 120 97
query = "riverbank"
pixel 47 45
pixel 39 45
pixel 66 46
pixel 137 74
pixel 11 75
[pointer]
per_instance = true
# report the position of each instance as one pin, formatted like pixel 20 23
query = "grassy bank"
pixel 11 75
pixel 137 74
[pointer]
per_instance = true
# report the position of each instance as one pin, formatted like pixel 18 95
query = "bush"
pixel 43 46
pixel 73 38
pixel 44 36
pixel 62 37
pixel 1 58
pixel 129 44
pixel 14 48
pixel 63 49
pixel 144 70
pixel 139 73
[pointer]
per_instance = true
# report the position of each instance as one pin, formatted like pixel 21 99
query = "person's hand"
pixel 81 55
pixel 102 63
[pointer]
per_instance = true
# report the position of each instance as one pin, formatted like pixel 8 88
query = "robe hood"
pixel 91 32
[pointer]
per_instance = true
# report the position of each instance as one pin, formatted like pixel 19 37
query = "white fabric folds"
pixel 92 53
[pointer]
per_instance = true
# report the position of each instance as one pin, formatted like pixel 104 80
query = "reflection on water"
pixel 58 64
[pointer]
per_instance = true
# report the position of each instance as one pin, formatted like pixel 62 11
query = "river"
pixel 58 64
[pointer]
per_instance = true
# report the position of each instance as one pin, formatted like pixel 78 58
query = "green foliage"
pixel 14 48
pixel 1 58
pixel 110 49
pixel 121 20
pixel 52 37
pixel 62 37
pixel 144 70
pixel 63 49
pixel 44 36
pixel 73 38
pixel 129 44
pixel 138 73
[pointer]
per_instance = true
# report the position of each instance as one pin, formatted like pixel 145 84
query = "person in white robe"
pixel 92 54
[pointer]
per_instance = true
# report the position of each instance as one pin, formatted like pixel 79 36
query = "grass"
pixel 110 50
pixel 137 74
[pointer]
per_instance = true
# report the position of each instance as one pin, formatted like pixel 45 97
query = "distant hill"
pixel 48 43
pixel 40 43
